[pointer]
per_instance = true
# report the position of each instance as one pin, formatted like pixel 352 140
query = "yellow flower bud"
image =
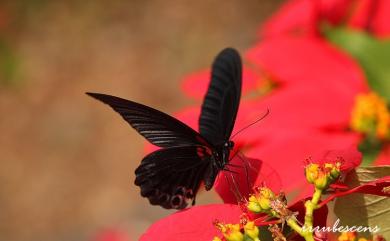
pixel 252 231
pixel 312 172
pixel 267 193
pixel 335 172
pixel 265 203
pixel 233 233
pixel 322 181
pixel 253 205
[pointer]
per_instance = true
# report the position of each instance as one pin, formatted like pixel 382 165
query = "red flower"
pixel 317 89
pixel 306 16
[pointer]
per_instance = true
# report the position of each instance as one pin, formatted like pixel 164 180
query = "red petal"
pixel 381 22
pixel 373 15
pixel 304 16
pixel 361 13
pixel 294 60
pixel 195 85
pixel 251 172
pixel 193 224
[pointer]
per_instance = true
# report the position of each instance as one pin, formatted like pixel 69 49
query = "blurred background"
pixel 67 161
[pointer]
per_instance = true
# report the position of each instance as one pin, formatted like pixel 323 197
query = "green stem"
pixel 295 226
pixel 307 230
pixel 311 205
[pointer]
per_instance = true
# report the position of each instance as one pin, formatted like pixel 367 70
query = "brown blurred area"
pixel 67 161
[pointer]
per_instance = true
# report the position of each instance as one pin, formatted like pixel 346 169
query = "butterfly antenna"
pixel 246 127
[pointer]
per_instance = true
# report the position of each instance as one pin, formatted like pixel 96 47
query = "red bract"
pixel 307 61
pixel 349 158
pixel 194 224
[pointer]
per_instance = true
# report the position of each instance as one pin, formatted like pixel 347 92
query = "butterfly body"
pixel 171 176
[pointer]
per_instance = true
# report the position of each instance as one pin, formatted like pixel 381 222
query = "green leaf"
pixel 364 209
pixel 370 147
pixel 372 54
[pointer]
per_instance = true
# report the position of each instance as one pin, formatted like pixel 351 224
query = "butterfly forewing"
pixel 221 102
pixel 157 127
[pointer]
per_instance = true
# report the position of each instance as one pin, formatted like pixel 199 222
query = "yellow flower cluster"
pixel 233 232
pixel 261 200
pixel 322 175
pixel 371 116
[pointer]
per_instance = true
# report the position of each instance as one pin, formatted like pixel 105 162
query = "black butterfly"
pixel 171 176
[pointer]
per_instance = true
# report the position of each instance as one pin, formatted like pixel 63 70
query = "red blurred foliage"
pixel 111 234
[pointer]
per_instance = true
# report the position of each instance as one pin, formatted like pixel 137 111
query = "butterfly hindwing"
pixel 157 127
pixel 220 106
pixel 171 177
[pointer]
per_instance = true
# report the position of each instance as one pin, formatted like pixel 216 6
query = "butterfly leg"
pixel 233 187
pixel 246 165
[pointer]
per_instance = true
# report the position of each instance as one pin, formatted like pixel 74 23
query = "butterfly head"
pixel 229 145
